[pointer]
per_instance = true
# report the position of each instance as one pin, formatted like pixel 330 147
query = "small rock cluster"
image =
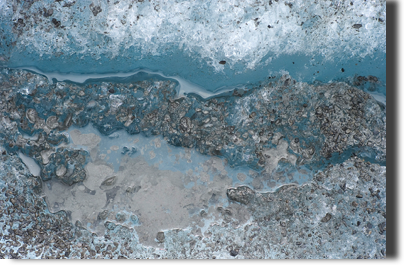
pixel 241 128
pixel 340 214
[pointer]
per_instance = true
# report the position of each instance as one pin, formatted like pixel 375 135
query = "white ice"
pixel 31 164
pixel 184 88
pixel 243 32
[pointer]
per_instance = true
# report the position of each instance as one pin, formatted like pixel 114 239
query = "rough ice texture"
pixel 317 122
pixel 340 214
pixel 244 32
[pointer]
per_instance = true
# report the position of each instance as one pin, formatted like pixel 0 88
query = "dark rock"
pixel 382 227
pixel 375 193
pixel 110 225
pixel 20 24
pixel 95 9
pixel 362 78
pixel 47 13
pixel 69 4
pixel 56 22
pixel 326 218
pixel 372 79
pixel 160 237
pixel 241 194
pixel 234 252
pixel 102 215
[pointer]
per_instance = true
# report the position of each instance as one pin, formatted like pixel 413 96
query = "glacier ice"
pixel 193 129
pixel 313 41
